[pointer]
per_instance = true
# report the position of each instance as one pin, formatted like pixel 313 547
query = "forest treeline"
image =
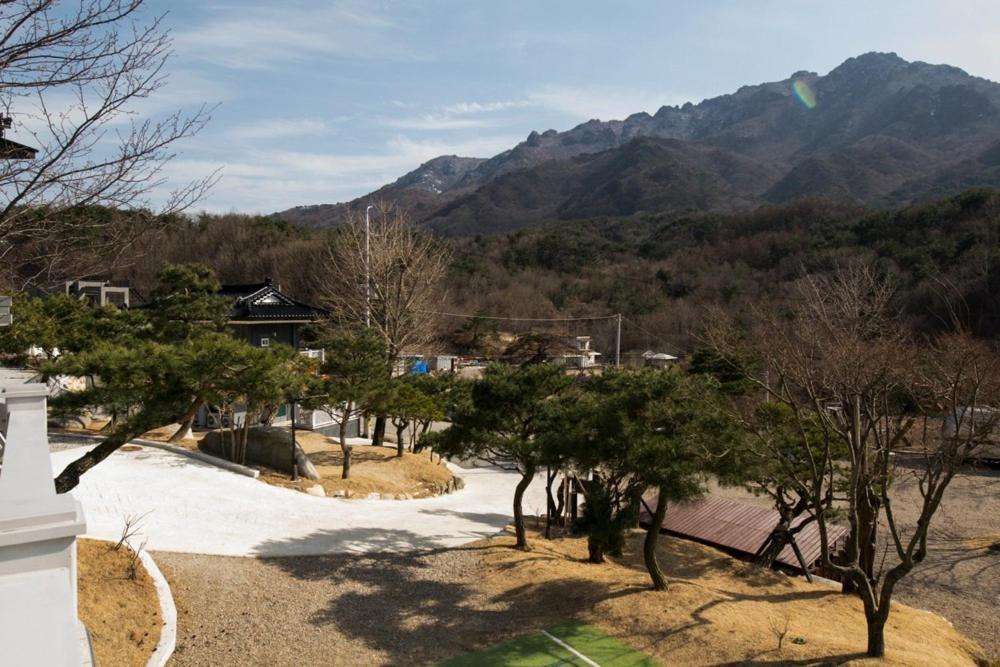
pixel 660 271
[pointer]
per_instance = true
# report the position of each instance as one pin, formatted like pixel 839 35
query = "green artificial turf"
pixel 538 650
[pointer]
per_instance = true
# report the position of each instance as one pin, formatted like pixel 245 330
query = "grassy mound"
pixel 373 470
pixel 122 613
pixel 717 610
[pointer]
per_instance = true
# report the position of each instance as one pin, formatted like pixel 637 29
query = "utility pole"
pixel 368 260
pixel 618 343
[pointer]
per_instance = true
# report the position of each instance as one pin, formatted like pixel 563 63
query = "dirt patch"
pixel 420 609
pixel 718 610
pixel 164 433
pixel 373 470
pixel 122 614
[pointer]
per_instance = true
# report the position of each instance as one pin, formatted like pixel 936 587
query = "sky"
pixel 321 102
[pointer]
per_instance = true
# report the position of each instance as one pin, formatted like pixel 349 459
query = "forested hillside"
pixel 660 271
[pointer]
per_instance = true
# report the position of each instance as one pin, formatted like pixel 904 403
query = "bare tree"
pixel 405 266
pixel 854 381
pixel 73 73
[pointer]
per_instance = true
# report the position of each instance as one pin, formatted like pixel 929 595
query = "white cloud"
pixel 464 108
pixel 603 102
pixel 278 128
pixel 456 116
pixel 264 181
pixel 266 37
pixel 432 122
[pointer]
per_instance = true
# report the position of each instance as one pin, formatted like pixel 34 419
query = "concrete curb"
pixel 201 456
pixel 191 453
pixel 168 612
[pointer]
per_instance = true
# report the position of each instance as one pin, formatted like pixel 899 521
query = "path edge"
pixel 182 451
pixel 168 613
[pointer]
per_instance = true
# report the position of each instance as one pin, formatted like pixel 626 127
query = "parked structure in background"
pixel 648 358
pixel 441 362
pixel 582 356
pixel 99 292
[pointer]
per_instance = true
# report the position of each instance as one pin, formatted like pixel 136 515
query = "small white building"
pixel 583 356
pixel 99 292
pixel 648 358
pixel 442 362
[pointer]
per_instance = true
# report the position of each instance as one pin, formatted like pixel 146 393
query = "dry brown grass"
pixel 373 470
pixel 122 614
pixel 983 542
pixel 163 434
pixel 717 610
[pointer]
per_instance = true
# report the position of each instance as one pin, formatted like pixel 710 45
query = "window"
pixel 265 342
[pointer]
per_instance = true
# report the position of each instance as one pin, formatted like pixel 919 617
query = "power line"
pixel 523 319
pixel 650 333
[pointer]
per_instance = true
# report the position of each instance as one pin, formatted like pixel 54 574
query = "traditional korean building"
pixel 264 316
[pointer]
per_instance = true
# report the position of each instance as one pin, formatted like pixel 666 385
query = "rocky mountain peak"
pixel 876 129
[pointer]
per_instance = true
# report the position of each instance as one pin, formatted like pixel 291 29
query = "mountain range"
pixel 876 130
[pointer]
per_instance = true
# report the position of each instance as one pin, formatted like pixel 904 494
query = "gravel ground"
pixel 236 598
pixel 960 578
pixel 59 442
pixel 398 609
pixel 329 610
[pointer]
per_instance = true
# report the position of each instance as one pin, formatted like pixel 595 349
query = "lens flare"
pixel 804 94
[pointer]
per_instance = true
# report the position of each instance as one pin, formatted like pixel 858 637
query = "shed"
pixel 740 528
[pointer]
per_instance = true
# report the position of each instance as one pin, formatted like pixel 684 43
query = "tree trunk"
pixel 649 544
pixel 561 500
pixel 876 635
pixel 186 420
pixel 378 434
pixel 70 476
pixel 522 486
pixel 868 512
pixel 550 503
pixel 244 438
pixel 400 444
pixel 415 445
pixel 595 551
pixel 344 447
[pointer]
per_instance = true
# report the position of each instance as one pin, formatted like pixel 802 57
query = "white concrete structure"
pixel 38 529
pixel 583 357
pixel 194 507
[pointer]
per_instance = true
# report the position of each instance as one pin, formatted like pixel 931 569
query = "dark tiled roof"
pixel 263 301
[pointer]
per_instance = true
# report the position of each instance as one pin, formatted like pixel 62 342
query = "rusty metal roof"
pixel 740 527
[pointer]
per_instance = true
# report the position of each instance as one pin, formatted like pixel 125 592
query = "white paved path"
pixel 195 507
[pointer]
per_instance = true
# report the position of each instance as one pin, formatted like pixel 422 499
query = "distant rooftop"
pixel 265 302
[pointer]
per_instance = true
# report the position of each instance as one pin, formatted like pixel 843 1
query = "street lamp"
pixel 368 278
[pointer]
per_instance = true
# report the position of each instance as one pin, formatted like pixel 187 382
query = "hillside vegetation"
pixel 660 270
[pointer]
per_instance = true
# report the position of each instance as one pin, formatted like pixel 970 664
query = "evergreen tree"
pixel 354 379
pixel 507 411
